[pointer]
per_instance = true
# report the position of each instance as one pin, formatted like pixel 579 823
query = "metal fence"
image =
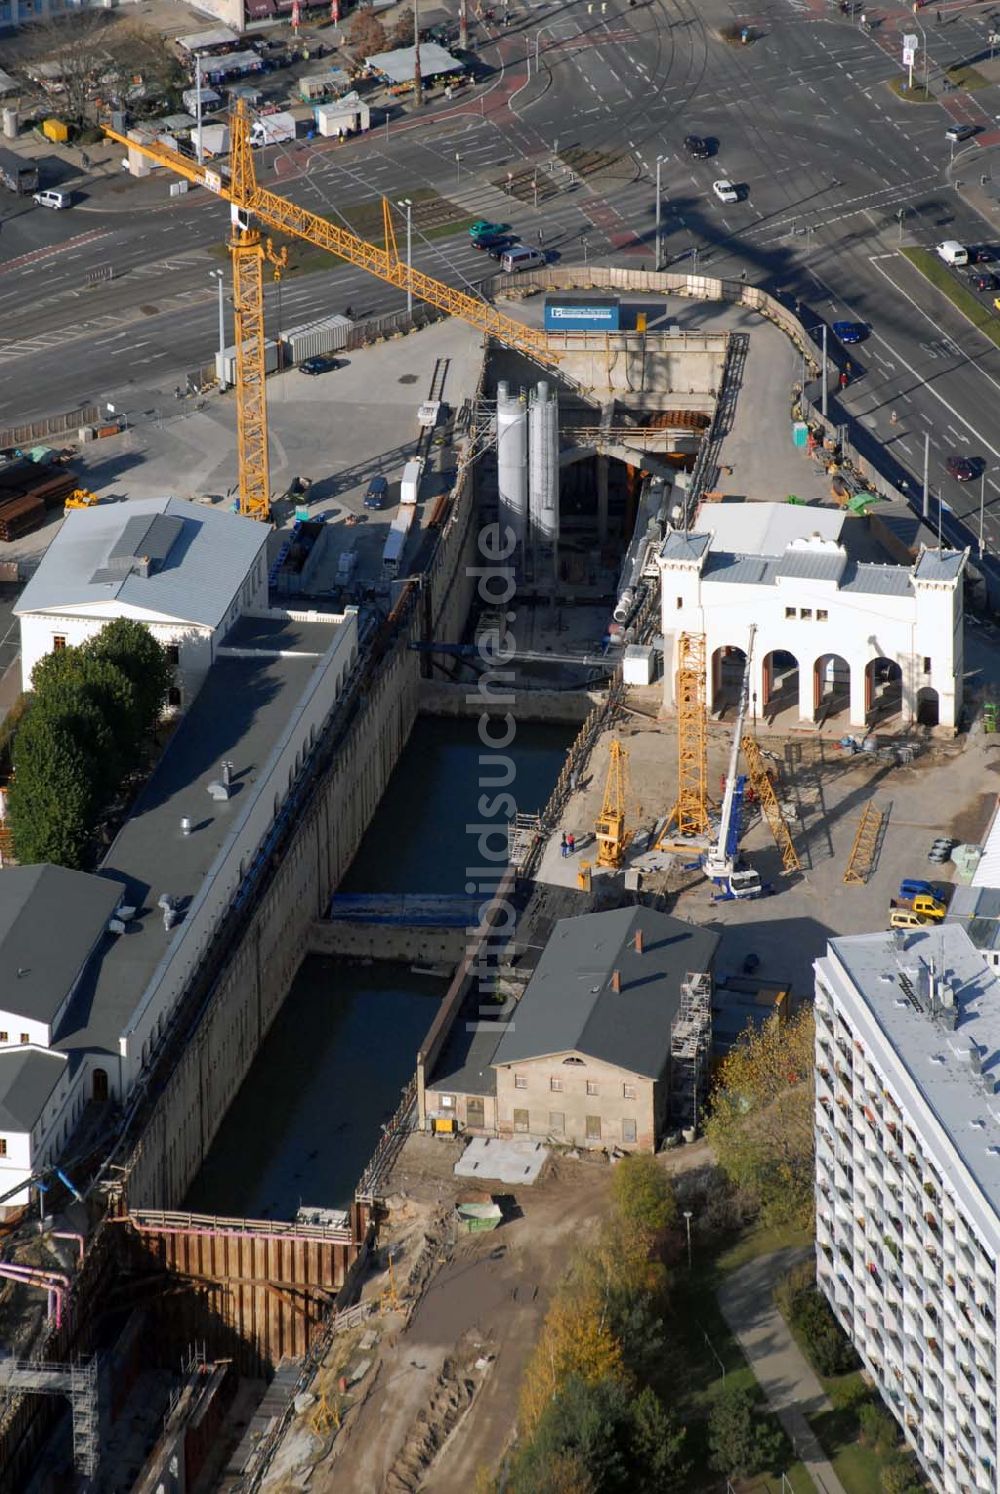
pixel 31 431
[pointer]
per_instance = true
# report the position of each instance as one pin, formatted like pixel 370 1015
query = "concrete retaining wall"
pixel 439 698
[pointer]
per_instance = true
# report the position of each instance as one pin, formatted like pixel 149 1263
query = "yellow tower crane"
pixel 253 204
pixel 689 819
pixel 609 830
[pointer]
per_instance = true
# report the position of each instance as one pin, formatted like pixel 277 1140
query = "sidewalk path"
pixel 781 1368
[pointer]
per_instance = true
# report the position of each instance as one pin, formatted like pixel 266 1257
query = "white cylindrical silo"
pixel 543 465
pixel 512 460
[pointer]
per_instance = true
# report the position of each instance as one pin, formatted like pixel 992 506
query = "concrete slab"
pixel 502 1161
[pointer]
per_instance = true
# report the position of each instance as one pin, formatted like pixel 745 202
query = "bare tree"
pixel 402 32
pixel 367 34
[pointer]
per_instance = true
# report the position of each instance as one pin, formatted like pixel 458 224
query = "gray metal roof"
pixel 940 565
pixel 239 714
pixel 465 1063
pixel 877 580
pixel 679 546
pixel 977 909
pixel 749 570
pixel 194 576
pixel 38 965
pixel 569 1005
pixel 27 1078
pixel 809 565
pixel 397 66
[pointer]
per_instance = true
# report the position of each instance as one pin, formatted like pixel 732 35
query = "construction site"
pixel 704 799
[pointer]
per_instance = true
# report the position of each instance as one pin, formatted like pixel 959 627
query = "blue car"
pixel 849 332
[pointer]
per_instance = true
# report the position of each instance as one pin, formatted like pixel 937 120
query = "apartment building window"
pixel 4 1038
pixel 25 1037
pixel 628 1091
pixel 822 615
pixel 557 1122
pixel 592 1086
pixel 58 641
pixel 680 603
pixel 173 653
pixel 520 1120
pixel 806 614
pixel 789 611
pixel 520 1081
pixel 556 1085
pixel 927 663
pixel 628 1129
pixel 593 1128
pixel 447 1102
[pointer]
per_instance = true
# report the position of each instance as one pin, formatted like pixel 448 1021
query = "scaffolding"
pixel 78 1382
pixel 690 1050
pixel 762 786
pixel 689 816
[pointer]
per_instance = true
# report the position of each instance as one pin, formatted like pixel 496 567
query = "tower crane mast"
pixel 252 204
pixel 722 861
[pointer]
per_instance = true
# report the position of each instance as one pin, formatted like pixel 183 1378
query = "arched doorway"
pixel 927 706
pixel 883 688
pixel 728 666
pixel 831 685
pixel 780 682
pixel 100 1091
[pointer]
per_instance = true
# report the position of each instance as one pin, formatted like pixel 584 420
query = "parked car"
pixel 911 887
pixel 941 850
pixel 725 191
pixel 850 332
pixel 323 363
pixel 981 254
pixel 961 468
pixel 698 147
pixel 377 492
pixel 983 280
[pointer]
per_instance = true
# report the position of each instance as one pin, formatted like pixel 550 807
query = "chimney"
pixel 638 941
pixel 616 981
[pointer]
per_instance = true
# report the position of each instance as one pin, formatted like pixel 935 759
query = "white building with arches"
pixel 850 622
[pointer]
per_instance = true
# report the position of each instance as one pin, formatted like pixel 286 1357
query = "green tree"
pixel 761 1125
pixel 644 1195
pixel 543 1472
pixel 589 1420
pixel 51 802
pixel 95 693
pixel 131 647
pixel 659 1446
pixel 877 1429
pixel 899 1476
pixel 742 1441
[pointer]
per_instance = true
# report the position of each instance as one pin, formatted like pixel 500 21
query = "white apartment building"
pixel 851 618
pixel 908 1184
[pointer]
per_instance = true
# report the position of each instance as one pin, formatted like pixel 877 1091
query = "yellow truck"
pixel 914 912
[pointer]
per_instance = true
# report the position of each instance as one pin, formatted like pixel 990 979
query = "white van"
pixel 521 258
pixel 952 252
pixel 53 199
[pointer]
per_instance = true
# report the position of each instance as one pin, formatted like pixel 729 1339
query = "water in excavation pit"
pixel 330 1071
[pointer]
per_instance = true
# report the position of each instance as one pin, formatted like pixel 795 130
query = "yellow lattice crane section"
pixel 762 786
pixel 689 817
pixel 609 829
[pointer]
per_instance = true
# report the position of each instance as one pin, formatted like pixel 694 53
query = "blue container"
pixel 586 314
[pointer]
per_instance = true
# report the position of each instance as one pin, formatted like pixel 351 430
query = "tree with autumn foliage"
pixel 576 1341
pixel 761 1122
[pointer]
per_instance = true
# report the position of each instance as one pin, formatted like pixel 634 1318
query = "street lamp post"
pixel 585 247
pixel 219 279
pixel 824 371
pixel 458 167
pixel 687 1222
pixel 982 510
pixel 407 205
pixel 657 255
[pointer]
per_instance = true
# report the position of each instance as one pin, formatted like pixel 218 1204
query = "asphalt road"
pixel 825 156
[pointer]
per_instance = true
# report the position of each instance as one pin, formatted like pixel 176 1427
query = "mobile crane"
pixel 253 204
pixel 722 861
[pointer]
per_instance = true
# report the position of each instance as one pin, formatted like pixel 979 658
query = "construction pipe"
pixel 53 1291
pixel 58 1278
pixel 69 1234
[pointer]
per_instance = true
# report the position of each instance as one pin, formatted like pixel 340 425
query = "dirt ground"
pixel 438 1398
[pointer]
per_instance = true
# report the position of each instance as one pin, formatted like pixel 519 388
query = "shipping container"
pixel 270 362
pixel 395 545
pixel 595 313
pixel 214 140
pixel 409 487
pixel 312 339
pixel 18 173
pixel 209 100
